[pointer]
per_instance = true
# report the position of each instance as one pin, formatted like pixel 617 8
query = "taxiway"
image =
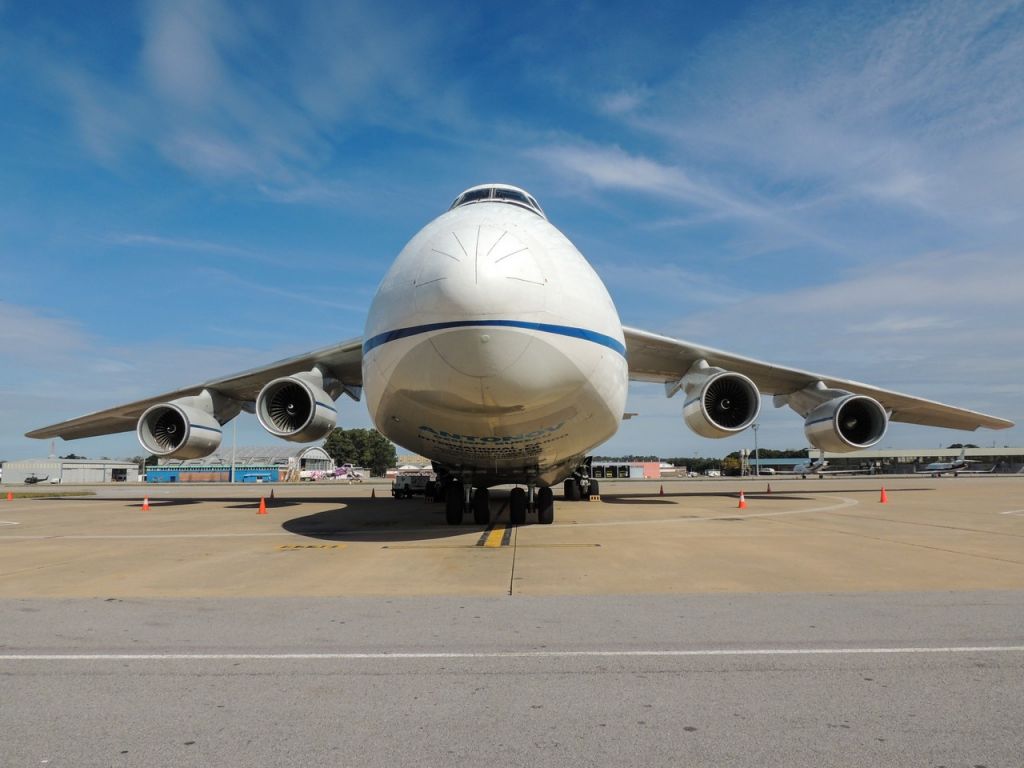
pixel 817 626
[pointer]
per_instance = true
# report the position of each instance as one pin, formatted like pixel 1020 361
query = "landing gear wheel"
pixel 517 506
pixel 571 490
pixel 453 504
pixel 545 506
pixel 481 506
pixel 595 488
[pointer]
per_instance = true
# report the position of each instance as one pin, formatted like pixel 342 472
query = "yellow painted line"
pixel 292 547
pixel 495 536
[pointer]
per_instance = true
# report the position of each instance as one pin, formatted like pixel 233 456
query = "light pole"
pixel 757 453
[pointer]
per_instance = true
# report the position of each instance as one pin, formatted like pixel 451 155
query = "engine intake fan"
pixel 719 403
pixel 296 408
pixel 837 420
pixel 186 428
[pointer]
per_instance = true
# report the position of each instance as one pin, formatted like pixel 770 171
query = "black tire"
pixel 595 488
pixel 545 506
pixel 517 506
pixel 453 504
pixel 481 506
pixel 571 490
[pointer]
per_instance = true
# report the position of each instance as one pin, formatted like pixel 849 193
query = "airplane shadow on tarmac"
pixel 383 520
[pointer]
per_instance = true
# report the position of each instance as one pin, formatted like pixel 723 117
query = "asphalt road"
pixel 663 625
pixel 681 680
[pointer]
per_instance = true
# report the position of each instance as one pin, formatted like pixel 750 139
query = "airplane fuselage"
pixel 493 348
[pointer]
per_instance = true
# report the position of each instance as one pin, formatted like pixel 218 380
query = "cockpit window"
pixel 511 194
pixel 499 194
pixel 475 195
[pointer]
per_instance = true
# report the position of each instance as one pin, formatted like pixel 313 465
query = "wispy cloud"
pixel 907 109
pixel 139 240
pixel 282 125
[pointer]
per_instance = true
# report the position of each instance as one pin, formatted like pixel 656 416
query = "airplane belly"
pixel 496 400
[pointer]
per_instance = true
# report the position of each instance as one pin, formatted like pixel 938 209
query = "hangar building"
pixel 251 465
pixel 70 471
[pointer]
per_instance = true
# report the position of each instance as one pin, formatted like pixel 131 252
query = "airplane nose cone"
pixel 480 272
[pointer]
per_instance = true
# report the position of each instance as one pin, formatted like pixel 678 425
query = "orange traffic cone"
pixel 373 493
pixel 10 496
pixel 743 501
pixel 883 499
pixel 145 503
pixel 661 491
pixel 769 488
pixel 263 506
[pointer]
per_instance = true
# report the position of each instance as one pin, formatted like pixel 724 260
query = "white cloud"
pixel 612 168
pixel 624 101
pixel 179 53
pixel 921 109
pixel 233 92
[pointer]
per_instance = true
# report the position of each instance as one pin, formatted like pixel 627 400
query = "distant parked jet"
pixel 818 467
pixel 959 466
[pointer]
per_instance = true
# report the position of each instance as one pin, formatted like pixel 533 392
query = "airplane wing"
pixel 343 360
pixel 662 359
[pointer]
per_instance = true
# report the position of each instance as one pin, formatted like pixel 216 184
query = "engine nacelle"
pixel 719 403
pixel 846 423
pixel 181 429
pixel 836 420
pixel 297 408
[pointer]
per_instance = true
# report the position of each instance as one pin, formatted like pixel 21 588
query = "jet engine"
pixel 836 420
pixel 297 407
pixel 846 423
pixel 186 428
pixel 719 403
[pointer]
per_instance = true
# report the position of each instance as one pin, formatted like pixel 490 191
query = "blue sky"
pixel 195 187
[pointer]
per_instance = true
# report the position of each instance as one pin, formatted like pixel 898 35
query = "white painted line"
pixel 1013 512
pixel 502 654
pixel 8 522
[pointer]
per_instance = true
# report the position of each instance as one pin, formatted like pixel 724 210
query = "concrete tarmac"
pixel 815 627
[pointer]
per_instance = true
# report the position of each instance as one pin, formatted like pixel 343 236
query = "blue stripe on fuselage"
pixel 561 330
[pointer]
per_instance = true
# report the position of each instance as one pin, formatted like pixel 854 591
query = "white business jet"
pixel 493 349
pixel 819 467
pixel 959 466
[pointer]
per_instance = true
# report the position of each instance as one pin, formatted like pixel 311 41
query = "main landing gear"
pixel 580 487
pixel 460 499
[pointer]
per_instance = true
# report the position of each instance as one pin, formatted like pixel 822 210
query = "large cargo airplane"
pixel 493 349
